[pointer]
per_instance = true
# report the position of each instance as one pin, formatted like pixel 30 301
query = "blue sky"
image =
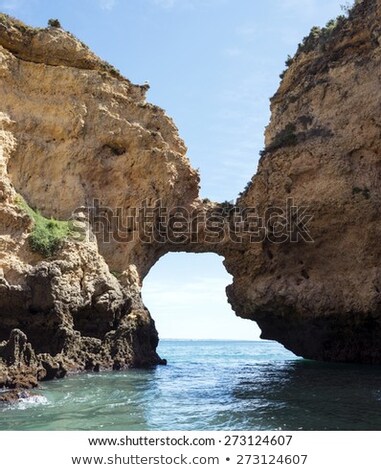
pixel 212 65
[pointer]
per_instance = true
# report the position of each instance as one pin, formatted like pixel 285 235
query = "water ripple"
pixel 210 386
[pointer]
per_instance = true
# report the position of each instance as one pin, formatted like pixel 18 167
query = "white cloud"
pixel 107 4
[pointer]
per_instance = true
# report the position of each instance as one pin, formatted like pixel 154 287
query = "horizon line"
pixel 215 339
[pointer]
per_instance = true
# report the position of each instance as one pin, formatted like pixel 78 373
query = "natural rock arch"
pixel 96 147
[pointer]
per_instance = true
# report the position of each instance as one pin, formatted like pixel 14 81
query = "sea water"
pixel 209 385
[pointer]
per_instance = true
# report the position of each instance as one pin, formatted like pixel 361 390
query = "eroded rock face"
pixel 322 299
pixel 75 134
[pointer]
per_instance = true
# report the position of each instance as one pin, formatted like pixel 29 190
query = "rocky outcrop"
pixel 19 367
pixel 83 155
pixel 13 396
pixel 321 298
pixel 74 133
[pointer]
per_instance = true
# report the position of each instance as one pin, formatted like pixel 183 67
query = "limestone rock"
pixel 322 299
pixel 74 134
pixel 13 396
pixel 19 366
pixel 78 139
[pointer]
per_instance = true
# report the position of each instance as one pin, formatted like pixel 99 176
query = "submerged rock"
pixel 13 396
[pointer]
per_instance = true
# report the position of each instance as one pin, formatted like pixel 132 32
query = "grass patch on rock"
pixel 47 234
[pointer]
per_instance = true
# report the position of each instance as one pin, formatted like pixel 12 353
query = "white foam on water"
pixel 28 402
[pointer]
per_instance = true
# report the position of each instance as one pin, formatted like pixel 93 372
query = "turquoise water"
pixel 209 385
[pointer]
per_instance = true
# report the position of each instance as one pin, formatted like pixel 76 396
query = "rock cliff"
pixel 321 298
pixel 73 133
pixel 84 159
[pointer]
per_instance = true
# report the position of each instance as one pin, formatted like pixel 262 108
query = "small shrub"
pixel 54 23
pixel 249 184
pixel 289 61
pixel 227 206
pixel 47 234
pixel 310 41
pixel 10 21
pixel 347 8
pixel 285 138
pixel 319 36
pixel 113 71
pixel 226 203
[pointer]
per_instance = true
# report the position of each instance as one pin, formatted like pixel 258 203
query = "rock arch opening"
pixel 185 293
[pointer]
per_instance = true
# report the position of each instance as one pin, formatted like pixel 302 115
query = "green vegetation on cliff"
pixel 47 234
pixel 10 21
pixel 318 37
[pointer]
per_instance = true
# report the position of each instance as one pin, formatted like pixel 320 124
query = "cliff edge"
pixel 320 295
pixel 73 134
